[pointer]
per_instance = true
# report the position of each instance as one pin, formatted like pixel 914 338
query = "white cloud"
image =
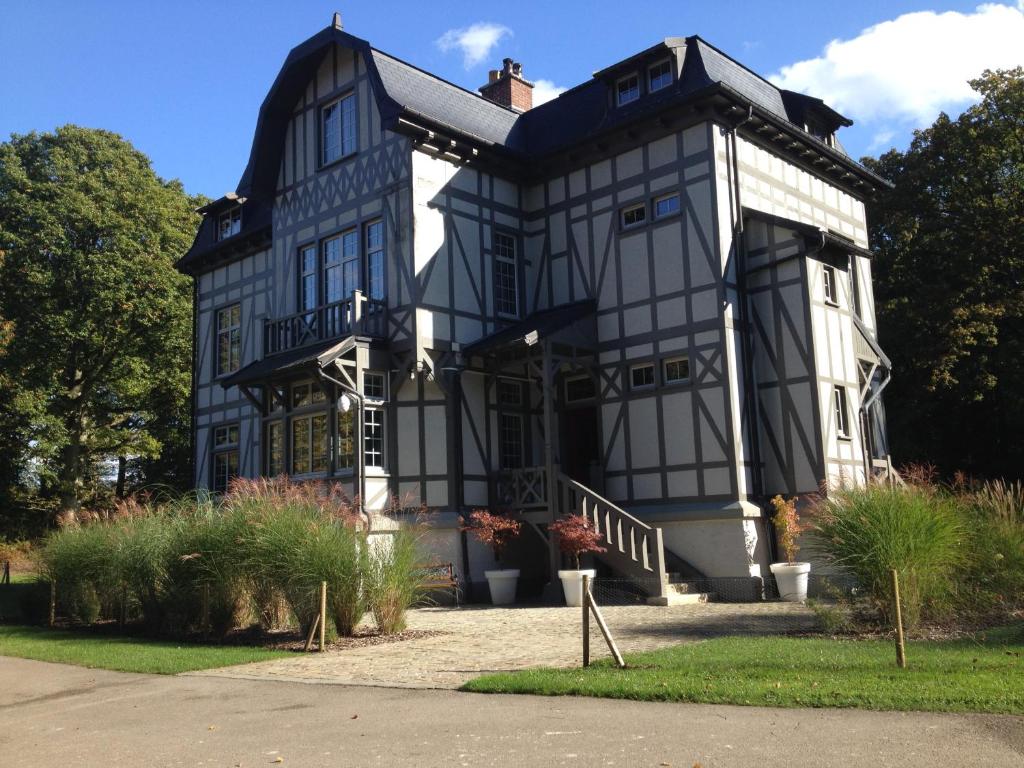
pixel 545 90
pixel 881 140
pixel 912 67
pixel 475 41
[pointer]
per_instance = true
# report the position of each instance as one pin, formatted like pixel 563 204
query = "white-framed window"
pixel 579 389
pixel 510 441
pixel 659 76
pixel 666 205
pixel 375 393
pixel 627 89
pixel 229 339
pixel 374 259
pixel 375 385
pixel 338 129
pixel 641 376
pixel 676 370
pixel 225 456
pixel 633 215
pixel 345 455
pixel 309 444
pixel 274 460
pixel 510 392
pixel 831 288
pixel 841 412
pixel 229 223
pixel 506 284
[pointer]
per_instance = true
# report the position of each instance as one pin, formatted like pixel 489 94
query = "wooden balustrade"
pixel 353 316
pixel 524 488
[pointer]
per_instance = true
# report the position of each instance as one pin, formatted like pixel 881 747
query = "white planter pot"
pixel 572 585
pixel 792 580
pixel 503 585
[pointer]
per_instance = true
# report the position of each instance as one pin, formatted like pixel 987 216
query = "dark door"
pixel 580 443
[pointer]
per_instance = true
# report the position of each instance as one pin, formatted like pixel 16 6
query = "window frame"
pixel 367 251
pixel 574 400
pixel 667 380
pixel 505 402
pixel 233 331
pixel 268 462
pixel 841 411
pixel 505 417
pixel 675 195
pixel 618 89
pixel 308 415
pixel 640 206
pixel 511 262
pixel 375 416
pixel 830 286
pixel 340 101
pixel 234 217
pixel 224 450
pixel 633 368
pixel 657 65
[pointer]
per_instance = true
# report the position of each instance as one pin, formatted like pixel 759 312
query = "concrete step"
pixel 682 598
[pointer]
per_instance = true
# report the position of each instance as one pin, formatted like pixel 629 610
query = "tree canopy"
pixel 95 322
pixel 949 243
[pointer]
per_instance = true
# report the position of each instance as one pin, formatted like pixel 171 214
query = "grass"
pixel 123 654
pixel 985 674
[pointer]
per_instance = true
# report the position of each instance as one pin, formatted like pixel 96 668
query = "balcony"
pixel 356 316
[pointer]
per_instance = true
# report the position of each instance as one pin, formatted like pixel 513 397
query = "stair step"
pixel 682 598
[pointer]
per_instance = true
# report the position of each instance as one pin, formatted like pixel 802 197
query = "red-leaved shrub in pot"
pixel 496 531
pixel 576 537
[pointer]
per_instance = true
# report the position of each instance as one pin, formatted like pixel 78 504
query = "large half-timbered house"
pixel 648 299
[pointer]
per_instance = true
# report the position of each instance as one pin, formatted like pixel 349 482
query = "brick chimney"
pixel 506 86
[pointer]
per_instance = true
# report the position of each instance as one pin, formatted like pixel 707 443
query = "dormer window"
pixel 338 129
pixel 818 130
pixel 229 223
pixel 659 76
pixel 627 90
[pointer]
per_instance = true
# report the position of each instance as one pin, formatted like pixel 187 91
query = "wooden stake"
pixel 53 602
pixel 604 631
pixel 586 620
pixel 901 650
pixel 323 616
pixel 7 573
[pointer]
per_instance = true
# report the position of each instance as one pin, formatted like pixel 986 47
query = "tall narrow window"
pixel 831 289
pixel 225 456
pixel 275 448
pixel 510 441
pixel 374 397
pixel 229 339
pixel 346 455
pixel 627 90
pixel 506 290
pixel 375 259
pixel 230 223
pixel 349 263
pixel 308 298
pixel 659 76
pixel 842 416
pixel 309 444
pixel 333 282
pixel 338 129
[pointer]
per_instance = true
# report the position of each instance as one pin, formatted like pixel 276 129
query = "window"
pixel 633 215
pixel 225 456
pixel 579 388
pixel 677 369
pixel 506 290
pixel 373 437
pixel 309 444
pixel 641 376
pixel 842 417
pixel 374 386
pixel 831 289
pixel 375 260
pixel 230 223
pixel 510 392
pixel 308 298
pixel 229 339
pixel 659 76
pixel 304 395
pixel 346 455
pixel 275 448
pixel 818 130
pixel 341 266
pixel 510 441
pixel 666 205
pixel 338 129
pixel 627 90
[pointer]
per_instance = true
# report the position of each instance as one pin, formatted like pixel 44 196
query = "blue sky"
pixel 183 81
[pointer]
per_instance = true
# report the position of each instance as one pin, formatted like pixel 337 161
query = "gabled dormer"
pixel 636 79
pixel 814 116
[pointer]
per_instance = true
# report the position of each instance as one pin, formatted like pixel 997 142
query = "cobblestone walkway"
pixel 480 639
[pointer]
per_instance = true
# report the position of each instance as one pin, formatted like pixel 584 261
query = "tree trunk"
pixel 69 468
pixel 122 465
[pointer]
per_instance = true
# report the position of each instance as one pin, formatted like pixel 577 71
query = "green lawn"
pixel 981 675
pixel 121 653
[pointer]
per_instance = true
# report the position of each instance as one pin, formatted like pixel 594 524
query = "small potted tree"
pixel 496 531
pixel 576 537
pixel 791 576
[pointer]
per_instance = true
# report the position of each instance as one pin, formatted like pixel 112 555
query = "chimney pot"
pixel 336 21
pixel 493 75
pixel 517 69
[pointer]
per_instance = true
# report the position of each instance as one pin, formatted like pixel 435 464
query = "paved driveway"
pixel 485 639
pixel 52 715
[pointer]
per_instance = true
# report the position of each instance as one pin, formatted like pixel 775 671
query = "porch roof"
pixel 532 329
pixel 286 363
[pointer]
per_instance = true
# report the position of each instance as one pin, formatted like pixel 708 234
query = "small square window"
pixel 510 392
pixel 307 394
pixel 641 376
pixel 633 215
pixel 374 386
pixel 627 90
pixel 677 369
pixel 659 76
pixel 579 388
pixel 230 223
pixel 225 435
pixel 666 205
pixel 830 285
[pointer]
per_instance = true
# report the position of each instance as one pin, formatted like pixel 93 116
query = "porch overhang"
pixel 308 359
pixel 573 326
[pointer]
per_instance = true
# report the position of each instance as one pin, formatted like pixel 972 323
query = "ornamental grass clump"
pixel 577 537
pixel 916 530
pixel 493 530
pixel 394 576
pixel 995 574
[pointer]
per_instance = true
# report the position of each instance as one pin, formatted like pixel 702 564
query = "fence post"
pixel 901 650
pixel 323 615
pixel 7 573
pixel 53 602
pixel 586 620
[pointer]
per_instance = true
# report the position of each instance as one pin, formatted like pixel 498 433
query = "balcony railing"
pixel 356 316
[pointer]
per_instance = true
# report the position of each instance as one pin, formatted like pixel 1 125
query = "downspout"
pixel 360 456
pixel 195 364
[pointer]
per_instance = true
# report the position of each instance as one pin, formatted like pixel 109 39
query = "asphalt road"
pixel 55 715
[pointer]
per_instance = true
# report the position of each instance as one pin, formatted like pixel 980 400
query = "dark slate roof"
pixel 291 361
pixel 543 323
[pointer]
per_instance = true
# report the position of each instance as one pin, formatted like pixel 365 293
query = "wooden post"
pixel 586 620
pixel 604 631
pixel 901 650
pixel 323 616
pixel 123 618
pixel 7 573
pixel 53 602
pixel 312 633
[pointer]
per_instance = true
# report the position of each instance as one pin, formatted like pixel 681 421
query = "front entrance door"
pixel 580 442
